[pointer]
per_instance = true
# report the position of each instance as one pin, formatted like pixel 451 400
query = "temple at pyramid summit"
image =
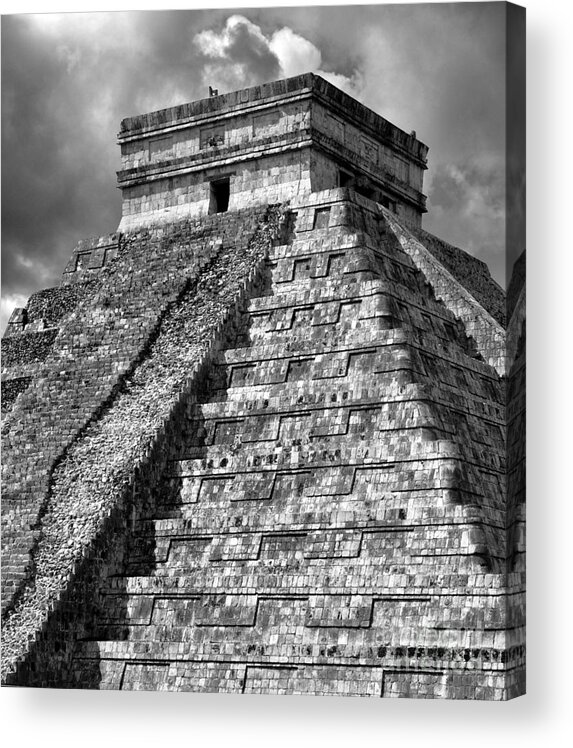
pixel 267 436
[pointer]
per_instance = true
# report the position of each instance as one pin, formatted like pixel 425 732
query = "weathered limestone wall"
pixel 487 332
pixel 260 138
pixel 97 472
pixel 92 352
pixel 30 336
pixel 472 273
pixel 346 144
pixel 90 256
pixel 267 180
pixel 261 125
pixel 325 175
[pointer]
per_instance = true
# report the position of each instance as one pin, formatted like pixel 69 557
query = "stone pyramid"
pixel 257 439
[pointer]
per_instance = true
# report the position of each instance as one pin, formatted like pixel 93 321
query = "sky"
pixel 69 79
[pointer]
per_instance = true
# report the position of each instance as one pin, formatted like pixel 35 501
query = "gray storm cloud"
pixel 467 201
pixel 238 53
pixel 69 79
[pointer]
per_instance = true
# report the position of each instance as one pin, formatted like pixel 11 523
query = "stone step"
pixel 349 369
pixel 292 427
pixel 356 340
pixel 382 414
pixel 256 400
pixel 281 397
pixel 349 310
pixel 340 576
pixel 353 340
pixel 395 511
pixel 379 365
pixel 272 506
pixel 324 293
pixel 345 242
pixel 387 671
pixel 172 552
pixel 333 468
pixel 342 288
pixel 399 452
pixel 200 622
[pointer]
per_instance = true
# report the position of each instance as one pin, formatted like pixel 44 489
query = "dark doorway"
pixel 366 191
pixel 388 203
pixel 345 179
pixel 220 191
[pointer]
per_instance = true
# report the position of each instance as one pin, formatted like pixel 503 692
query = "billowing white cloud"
pixel 241 55
pixel 295 53
pixel 230 41
pixel 237 56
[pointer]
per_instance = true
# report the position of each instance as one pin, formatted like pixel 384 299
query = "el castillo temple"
pixel 269 435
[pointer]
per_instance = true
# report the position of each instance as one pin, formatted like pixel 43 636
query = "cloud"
pixel 70 57
pixel 476 184
pixel 466 204
pixel 295 53
pixel 68 80
pixel 241 55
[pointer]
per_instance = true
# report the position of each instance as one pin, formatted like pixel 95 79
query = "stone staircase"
pixel 331 520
